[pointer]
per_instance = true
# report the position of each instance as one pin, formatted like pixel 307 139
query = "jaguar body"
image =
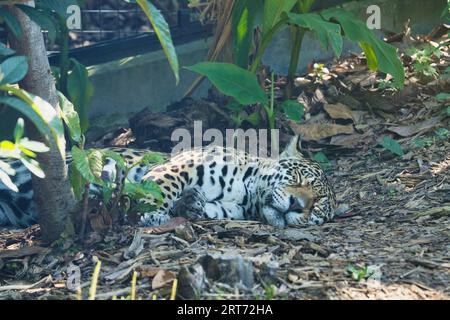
pixel 214 183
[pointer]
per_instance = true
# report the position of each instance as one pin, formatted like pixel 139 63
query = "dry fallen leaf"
pixel 319 131
pixel 407 131
pixel 339 111
pixel 162 278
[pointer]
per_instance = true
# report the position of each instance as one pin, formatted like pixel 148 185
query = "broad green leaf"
pixel 35 146
pixel 151 158
pixel 329 34
pixel 145 189
pixel 11 22
pixel 26 110
pixel 293 109
pixel 81 163
pixel 243 16
pixel 234 105
pixel 80 90
pixel 5 51
pixel 70 117
pixel 233 81
pixel 253 118
pixel 95 158
pixel 40 112
pixel 443 96
pixel 13 69
pixel 18 130
pixel 393 146
pixel 27 152
pixel 120 162
pixel 272 13
pixel 162 31
pixel 7 168
pixel 379 54
pixel 33 166
pixel 322 159
pixel 6 180
pixel 45 21
pixel 57 6
pixel 76 181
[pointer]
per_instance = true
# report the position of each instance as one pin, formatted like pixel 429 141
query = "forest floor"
pixel 393 243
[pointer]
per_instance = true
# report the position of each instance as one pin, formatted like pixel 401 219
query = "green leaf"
pixel 25 109
pixel 254 118
pixel 70 117
pixel 442 133
pixel 19 129
pixel 57 6
pixel 7 168
pixel 35 146
pixel 80 90
pixel 446 111
pixel 151 158
pixel 443 96
pixel 11 22
pixel 120 162
pixel 81 163
pixel 95 158
pixel 380 55
pixel 234 106
pixel 322 159
pixel 146 189
pixel 6 180
pixel 162 31
pixel 76 181
pixel 33 166
pixel 243 17
pixel 233 81
pixel 39 111
pixel 13 69
pixel 393 146
pixel 5 51
pixel 273 10
pixel 45 21
pixel 293 109
pixel 329 34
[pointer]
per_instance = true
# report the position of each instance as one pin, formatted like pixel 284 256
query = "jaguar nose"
pixel 295 205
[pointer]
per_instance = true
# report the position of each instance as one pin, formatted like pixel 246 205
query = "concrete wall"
pixel 126 86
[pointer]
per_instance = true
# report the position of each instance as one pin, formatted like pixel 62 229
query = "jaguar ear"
pixel 293 150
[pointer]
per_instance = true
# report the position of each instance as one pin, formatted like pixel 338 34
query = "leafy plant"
pixel 393 146
pixel 239 80
pixel 21 149
pixel 361 273
pixel 423 60
pixel 442 133
pixel 329 26
pixel 322 159
pixel 243 86
pixel 72 76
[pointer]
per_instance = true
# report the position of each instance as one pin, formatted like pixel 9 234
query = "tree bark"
pixel 53 194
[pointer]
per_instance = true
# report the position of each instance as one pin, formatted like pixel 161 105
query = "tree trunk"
pixel 53 194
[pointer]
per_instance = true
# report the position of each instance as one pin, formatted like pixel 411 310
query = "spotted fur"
pixel 216 183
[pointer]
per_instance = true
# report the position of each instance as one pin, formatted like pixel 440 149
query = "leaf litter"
pixel 392 240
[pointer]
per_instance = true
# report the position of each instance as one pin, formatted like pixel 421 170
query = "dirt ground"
pixel 403 236
pixel 392 243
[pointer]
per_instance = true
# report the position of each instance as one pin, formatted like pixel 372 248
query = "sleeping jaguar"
pixel 214 183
